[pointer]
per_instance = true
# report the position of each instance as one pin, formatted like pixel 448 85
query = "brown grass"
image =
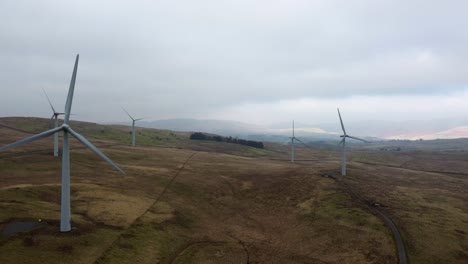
pixel 225 204
pixel 428 207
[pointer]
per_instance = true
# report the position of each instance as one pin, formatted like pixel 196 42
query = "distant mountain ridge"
pixel 280 132
pixel 277 133
pixel 202 125
pixel 456 132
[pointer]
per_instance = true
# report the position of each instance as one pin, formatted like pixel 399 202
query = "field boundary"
pixel 17 129
pixel 406 168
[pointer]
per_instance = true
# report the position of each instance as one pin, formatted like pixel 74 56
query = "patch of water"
pixel 17 227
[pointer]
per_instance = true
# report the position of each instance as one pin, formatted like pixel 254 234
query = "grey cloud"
pixel 188 58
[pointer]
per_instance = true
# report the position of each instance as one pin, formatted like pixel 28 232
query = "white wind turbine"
pixel 133 126
pixel 343 142
pixel 292 143
pixel 54 116
pixel 65 219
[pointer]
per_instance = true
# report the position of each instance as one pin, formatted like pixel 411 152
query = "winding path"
pixel 401 249
pixel 402 254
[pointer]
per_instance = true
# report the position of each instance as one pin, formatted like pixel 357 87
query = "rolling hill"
pixel 186 201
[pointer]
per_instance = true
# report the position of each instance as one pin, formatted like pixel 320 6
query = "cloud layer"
pixel 233 59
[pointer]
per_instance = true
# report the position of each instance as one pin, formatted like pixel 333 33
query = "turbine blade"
pixel 341 142
pixel 363 140
pixel 128 114
pixel 139 119
pixel 93 148
pixel 51 120
pixel 31 139
pixel 68 105
pixel 51 106
pixel 341 121
pixel 302 142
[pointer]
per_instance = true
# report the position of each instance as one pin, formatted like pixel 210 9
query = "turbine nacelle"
pixel 343 144
pixel 131 117
pixel 292 143
pixel 133 125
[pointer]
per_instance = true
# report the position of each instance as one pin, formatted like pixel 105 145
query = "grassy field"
pixel 426 194
pixel 188 201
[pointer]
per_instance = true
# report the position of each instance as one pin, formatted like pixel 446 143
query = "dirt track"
pixel 400 245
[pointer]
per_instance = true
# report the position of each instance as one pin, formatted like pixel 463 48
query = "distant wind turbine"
pixel 54 116
pixel 343 142
pixel 65 219
pixel 292 143
pixel 133 126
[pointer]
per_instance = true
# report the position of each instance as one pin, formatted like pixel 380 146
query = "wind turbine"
pixel 54 116
pixel 343 142
pixel 292 143
pixel 133 126
pixel 65 218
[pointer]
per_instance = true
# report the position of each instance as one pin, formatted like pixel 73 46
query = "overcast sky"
pixel 254 61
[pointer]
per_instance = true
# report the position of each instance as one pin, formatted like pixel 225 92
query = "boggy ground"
pixel 227 204
pixel 221 208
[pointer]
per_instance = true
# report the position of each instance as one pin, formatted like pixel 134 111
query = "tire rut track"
pixel 149 207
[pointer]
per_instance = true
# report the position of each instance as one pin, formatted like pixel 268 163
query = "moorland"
pixel 188 201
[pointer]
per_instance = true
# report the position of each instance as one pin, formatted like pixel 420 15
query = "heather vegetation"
pixel 196 201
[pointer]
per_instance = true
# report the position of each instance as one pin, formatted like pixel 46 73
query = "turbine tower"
pixel 65 219
pixel 133 126
pixel 292 143
pixel 54 116
pixel 343 143
pixel 293 151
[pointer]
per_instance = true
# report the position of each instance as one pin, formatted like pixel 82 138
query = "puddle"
pixel 17 227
